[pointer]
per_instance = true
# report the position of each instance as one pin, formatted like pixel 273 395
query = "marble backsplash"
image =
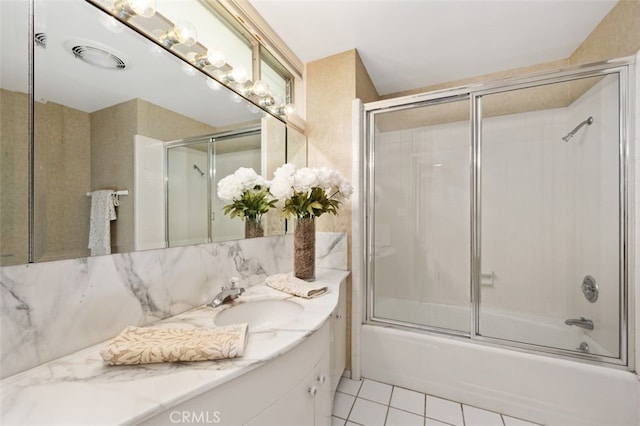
pixel 51 309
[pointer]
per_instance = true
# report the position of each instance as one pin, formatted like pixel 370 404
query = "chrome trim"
pixel 368 207
pixel 624 132
pixel 210 178
pixel 475 217
pixel 31 118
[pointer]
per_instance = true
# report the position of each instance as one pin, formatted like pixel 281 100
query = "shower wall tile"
pixel 51 309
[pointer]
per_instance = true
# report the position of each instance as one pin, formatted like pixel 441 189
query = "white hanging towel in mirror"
pixel 103 211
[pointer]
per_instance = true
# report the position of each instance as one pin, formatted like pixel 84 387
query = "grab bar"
pixel 582 323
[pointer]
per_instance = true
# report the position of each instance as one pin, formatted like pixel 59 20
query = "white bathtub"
pixel 540 388
pixel 517 327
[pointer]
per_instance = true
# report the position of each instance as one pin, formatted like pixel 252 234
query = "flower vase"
pixel 253 228
pixel 304 249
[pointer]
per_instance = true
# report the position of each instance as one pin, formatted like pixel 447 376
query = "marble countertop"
pixel 80 389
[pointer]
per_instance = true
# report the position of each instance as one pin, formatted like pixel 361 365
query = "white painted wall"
pixel 148 193
pixel 223 227
pixel 188 211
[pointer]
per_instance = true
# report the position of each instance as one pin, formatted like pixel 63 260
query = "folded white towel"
pixel 295 286
pixel 103 211
pixel 146 345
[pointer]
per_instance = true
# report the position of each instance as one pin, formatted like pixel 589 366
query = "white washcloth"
pixel 147 345
pixel 103 211
pixel 295 286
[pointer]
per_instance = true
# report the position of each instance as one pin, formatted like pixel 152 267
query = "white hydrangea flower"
pixel 326 177
pixel 262 182
pixel 282 187
pixel 304 179
pixel 246 177
pixel 286 170
pixel 345 188
pixel 229 188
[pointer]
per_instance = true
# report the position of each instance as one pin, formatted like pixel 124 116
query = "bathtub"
pixel 540 388
pixel 517 327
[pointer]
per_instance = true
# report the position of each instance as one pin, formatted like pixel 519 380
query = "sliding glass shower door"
pixel 550 215
pixel 421 242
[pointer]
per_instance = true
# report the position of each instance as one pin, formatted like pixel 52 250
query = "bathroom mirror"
pixel 99 87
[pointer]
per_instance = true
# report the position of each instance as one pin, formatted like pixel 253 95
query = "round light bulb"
pixel 213 85
pixel 240 75
pixel 188 70
pixel 260 88
pixel 145 8
pixel 185 33
pixel 216 57
pixel 111 24
pixel 289 109
pixel 235 98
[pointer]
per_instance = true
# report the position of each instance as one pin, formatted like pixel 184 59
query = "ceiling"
pixel 412 44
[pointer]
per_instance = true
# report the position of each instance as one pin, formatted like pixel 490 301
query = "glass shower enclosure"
pixel 498 212
pixel 194 213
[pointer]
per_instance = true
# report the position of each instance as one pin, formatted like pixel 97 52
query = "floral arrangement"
pixel 309 192
pixel 248 193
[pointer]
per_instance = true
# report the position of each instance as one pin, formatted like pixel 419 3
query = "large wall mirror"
pixel 110 106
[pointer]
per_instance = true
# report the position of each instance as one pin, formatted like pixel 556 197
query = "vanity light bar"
pixel 181 39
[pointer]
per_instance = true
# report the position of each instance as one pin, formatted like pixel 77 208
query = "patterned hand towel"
pixel 295 286
pixel 146 345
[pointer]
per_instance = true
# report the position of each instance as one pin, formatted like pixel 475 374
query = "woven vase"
pixel 304 249
pixel 253 228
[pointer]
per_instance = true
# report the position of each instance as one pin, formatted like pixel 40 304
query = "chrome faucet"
pixel 227 294
pixel 582 322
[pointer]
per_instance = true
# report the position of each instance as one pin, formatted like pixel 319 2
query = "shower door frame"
pixel 622 67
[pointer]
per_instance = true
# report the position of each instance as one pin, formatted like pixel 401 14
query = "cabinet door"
pixel 339 338
pixel 324 395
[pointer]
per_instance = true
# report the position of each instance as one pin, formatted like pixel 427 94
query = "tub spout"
pixel 582 323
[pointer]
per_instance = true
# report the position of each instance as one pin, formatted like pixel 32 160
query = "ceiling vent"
pixel 41 39
pixel 96 54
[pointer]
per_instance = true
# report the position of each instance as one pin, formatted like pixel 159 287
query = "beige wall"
pixel 61 156
pixel 112 163
pixel 332 85
pixel 333 82
pixel 14 177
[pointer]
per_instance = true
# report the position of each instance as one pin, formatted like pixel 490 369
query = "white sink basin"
pixel 260 313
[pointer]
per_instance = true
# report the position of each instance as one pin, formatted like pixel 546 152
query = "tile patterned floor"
pixel 371 403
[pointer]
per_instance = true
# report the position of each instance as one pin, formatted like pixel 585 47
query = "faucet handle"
pixel 234 282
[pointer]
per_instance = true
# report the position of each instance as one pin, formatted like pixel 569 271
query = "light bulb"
pixel 183 32
pixel 126 9
pixel 188 70
pixel 213 57
pixel 240 75
pixel 235 97
pixel 216 57
pixel 260 88
pixel 186 33
pixel 213 85
pixel 289 109
pixel 146 8
pixel 111 24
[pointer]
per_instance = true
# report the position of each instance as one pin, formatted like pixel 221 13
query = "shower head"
pixel 198 169
pixel 569 135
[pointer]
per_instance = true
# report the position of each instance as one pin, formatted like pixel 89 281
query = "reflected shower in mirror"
pixel 106 99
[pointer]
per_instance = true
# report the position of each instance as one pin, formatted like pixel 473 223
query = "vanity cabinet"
pixel 293 389
pixel 338 339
